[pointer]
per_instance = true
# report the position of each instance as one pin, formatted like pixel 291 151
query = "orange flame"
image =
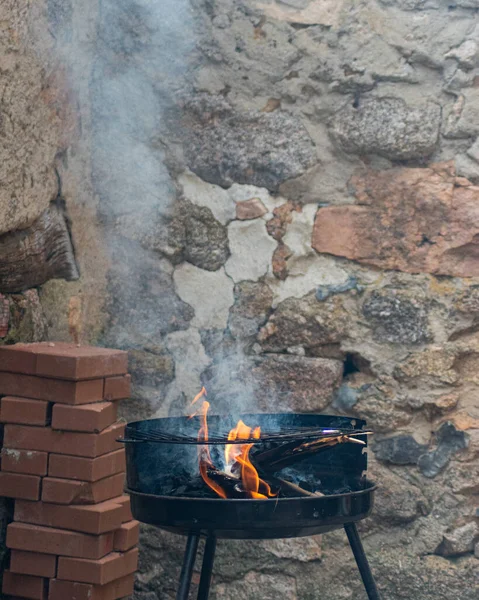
pixel 204 453
pixel 253 486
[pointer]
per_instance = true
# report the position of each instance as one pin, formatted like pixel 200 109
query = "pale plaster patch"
pixel 221 202
pixel 300 231
pixel 210 293
pixel 251 250
pixel 305 275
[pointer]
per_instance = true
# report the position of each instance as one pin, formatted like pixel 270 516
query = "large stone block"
pixel 303 322
pixel 388 127
pixel 295 383
pixel 262 149
pixel 412 220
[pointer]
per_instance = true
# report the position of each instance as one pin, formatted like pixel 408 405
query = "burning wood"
pixel 252 474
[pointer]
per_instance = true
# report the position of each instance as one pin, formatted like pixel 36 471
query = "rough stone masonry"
pixel 312 245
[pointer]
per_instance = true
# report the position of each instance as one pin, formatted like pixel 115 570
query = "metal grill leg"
pixel 207 568
pixel 362 561
pixel 187 568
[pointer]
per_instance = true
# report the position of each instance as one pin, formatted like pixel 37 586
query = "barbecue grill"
pixel 315 466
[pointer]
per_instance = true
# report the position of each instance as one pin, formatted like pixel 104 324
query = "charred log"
pixel 285 455
pixel 30 257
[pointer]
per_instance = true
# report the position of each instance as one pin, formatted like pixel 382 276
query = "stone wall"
pixel 295 225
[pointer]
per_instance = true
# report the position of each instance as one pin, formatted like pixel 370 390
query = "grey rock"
pixel 388 127
pixel 398 501
pixel 460 541
pixel 206 240
pixel 469 300
pixel 399 450
pixel 449 441
pixel 262 149
pixel 251 308
pixel 302 322
pixel 295 383
pixel 396 318
pixel 345 398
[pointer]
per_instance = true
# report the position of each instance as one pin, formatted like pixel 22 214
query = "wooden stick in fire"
pixel 292 452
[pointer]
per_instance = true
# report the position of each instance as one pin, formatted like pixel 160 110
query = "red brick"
pixel 87 417
pixel 47 540
pixel 127 536
pixel 53 390
pixel 69 361
pixel 117 388
pixel 102 571
pixel 24 411
pixel 17 485
pixel 68 491
pixel 89 518
pixel 87 469
pixel 34 588
pixel 33 563
pixel 45 439
pixel 63 360
pixel 65 590
pixel 18 359
pixel 28 462
pixel 124 501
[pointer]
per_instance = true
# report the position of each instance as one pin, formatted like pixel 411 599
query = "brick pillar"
pixel 73 536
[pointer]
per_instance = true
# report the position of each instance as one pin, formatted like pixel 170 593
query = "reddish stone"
pixel 250 209
pixel 117 388
pixel 63 590
pixel 127 536
pixel 63 361
pixel 67 491
pixel 283 215
pixel 45 439
pixel 93 518
pixel 33 563
pixel 87 417
pixel 280 257
pixel 16 485
pixel 102 571
pixel 87 469
pixel 47 540
pixel 28 462
pixel 24 411
pixel 53 390
pixel 412 220
pixel 34 588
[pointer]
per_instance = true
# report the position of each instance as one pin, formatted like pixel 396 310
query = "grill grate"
pixel 221 438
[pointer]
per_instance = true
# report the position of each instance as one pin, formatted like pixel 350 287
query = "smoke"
pixel 143 52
